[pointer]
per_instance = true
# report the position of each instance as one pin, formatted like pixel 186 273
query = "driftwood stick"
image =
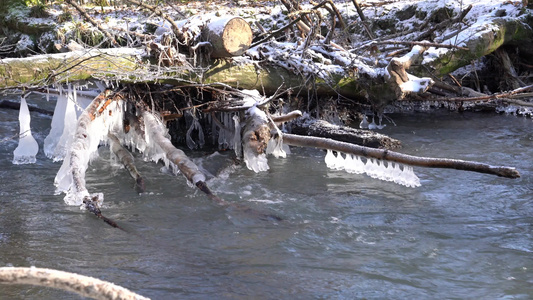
pixel 501 96
pixel 126 158
pixel 323 143
pixel 82 285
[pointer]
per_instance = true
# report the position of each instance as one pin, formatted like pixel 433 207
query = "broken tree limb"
pixel 324 129
pixel 323 143
pixel 405 83
pixel 82 285
pixel 126 158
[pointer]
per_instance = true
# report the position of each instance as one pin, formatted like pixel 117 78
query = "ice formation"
pixel 237 147
pixel 70 178
pixel 256 119
pixel 190 142
pixel 27 148
pixel 375 168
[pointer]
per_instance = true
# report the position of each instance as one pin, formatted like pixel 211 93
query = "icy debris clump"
pixel 27 148
pixel 375 168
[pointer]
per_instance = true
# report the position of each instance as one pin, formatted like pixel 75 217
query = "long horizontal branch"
pixel 324 143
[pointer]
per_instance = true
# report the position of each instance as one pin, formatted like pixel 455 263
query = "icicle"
pixel 237 147
pixel 57 126
pixel 69 127
pixel 380 126
pixel 348 161
pixel 358 166
pixel 188 138
pixel 372 125
pixel 330 159
pixel 364 123
pixel 190 142
pixel 339 161
pixel 369 167
pixel 27 148
pixel 409 178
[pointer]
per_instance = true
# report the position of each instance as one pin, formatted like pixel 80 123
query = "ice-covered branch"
pixel 93 125
pixel 156 130
pixel 82 285
pixel 387 155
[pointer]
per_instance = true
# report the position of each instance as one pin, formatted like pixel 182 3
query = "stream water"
pixel 343 236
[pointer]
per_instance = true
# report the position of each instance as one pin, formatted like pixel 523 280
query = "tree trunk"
pixel 229 36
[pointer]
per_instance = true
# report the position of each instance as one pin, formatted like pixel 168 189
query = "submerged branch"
pixel 126 158
pixel 323 143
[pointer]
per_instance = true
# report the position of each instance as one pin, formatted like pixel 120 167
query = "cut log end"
pixel 229 37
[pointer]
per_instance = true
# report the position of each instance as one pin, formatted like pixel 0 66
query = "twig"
pixel 443 24
pixel 412 43
pixel 281 30
pixel 363 19
pixel 501 96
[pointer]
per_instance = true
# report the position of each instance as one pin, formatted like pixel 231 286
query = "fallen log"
pixel 387 155
pixel 324 129
pixel 229 36
pixel 47 69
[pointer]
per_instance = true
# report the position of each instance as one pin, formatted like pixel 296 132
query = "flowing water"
pixel 343 236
